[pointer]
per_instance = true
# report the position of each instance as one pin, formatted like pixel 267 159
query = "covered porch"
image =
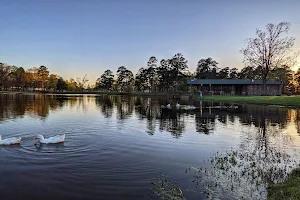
pixel 211 89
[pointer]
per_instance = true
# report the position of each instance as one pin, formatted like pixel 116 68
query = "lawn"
pixel 95 92
pixel 270 100
pixel 290 189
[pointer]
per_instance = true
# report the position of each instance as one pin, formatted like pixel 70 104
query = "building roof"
pixel 230 82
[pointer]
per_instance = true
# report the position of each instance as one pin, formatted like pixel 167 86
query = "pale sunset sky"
pixel 75 37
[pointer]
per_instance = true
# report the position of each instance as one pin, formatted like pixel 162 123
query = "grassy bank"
pixel 17 92
pixel 133 93
pixel 267 100
pixel 290 189
pixel 70 92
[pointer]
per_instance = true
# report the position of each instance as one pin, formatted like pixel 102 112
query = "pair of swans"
pixel 177 105
pixel 17 140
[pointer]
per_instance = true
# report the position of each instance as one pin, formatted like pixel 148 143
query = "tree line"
pixel 268 55
pixel 169 75
pixel 17 78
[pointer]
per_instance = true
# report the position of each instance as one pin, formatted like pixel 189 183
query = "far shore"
pixel 289 101
pixel 90 92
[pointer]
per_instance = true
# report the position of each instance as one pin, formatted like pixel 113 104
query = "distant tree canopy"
pixel 142 82
pixel 167 75
pixel 61 85
pixel 125 79
pixel 207 69
pixel 105 82
pixel 43 74
pixel 17 78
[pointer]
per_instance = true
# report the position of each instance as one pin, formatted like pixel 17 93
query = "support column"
pixel 221 92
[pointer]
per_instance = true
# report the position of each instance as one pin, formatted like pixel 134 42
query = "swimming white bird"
pixel 169 106
pixel 51 140
pixel 10 141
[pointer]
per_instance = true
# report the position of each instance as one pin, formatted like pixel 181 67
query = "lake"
pixel 125 147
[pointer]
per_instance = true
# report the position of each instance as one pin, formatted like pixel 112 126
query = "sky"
pixel 77 37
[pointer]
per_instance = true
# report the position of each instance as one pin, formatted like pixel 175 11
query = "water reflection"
pixel 204 114
pixel 265 140
pixel 264 156
pixel 37 105
pixel 14 106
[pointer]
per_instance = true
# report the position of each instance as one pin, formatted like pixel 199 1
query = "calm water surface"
pixel 116 146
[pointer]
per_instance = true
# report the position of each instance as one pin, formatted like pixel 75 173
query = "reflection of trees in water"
pixel 169 120
pixel 145 108
pixel 149 109
pixel 261 159
pixel 206 117
pixel 37 105
pixel 105 103
pixel 204 123
pixel 124 106
pixel 13 106
pixel 82 103
pixel 206 114
pixel 172 121
pixel 297 119
pixel 294 117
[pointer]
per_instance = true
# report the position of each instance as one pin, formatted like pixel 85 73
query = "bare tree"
pixel 82 81
pixel 269 49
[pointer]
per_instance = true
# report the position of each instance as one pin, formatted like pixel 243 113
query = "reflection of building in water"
pixel 205 114
pixel 205 122
pixel 263 157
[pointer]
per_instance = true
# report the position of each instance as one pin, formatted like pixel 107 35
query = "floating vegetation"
pixel 243 174
pixel 166 190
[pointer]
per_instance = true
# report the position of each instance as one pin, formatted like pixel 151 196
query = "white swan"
pixel 10 141
pixel 51 140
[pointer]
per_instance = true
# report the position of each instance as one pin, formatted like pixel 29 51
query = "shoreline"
pixel 83 93
pixel 289 189
pixel 286 101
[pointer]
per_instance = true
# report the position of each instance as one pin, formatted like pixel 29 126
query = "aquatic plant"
pixel 166 190
pixel 242 175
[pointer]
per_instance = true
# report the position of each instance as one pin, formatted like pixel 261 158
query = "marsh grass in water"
pixel 242 175
pixel 166 190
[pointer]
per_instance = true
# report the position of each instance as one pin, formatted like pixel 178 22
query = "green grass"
pixel 79 92
pixel 269 100
pixel 13 92
pixel 290 189
pixel 132 93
